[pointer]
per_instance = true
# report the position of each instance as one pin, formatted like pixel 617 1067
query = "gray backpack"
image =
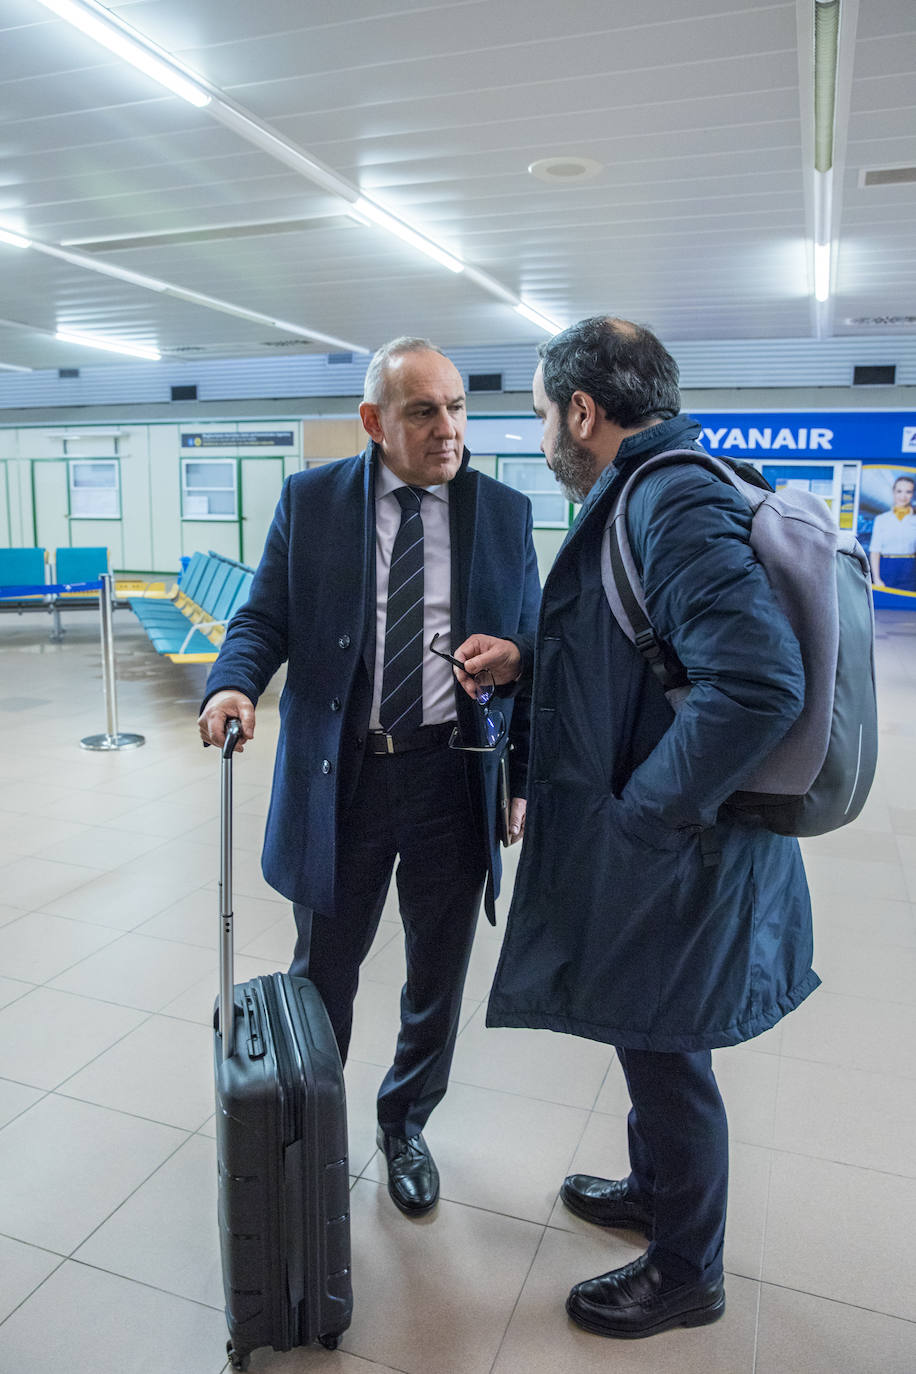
pixel 818 777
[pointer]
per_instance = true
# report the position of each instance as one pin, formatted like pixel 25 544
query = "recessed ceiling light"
pixel 565 169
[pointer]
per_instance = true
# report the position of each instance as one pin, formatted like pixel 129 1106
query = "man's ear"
pixel 369 415
pixel 583 416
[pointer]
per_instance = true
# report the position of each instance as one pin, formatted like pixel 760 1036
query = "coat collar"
pixel 371 458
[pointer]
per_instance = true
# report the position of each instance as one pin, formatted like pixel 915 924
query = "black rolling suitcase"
pixel 281 1137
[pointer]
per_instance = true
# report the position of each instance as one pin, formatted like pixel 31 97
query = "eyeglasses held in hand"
pixel 493 722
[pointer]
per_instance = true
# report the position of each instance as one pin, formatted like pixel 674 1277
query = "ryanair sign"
pixel 865 435
pixel 765 437
pixel 859 435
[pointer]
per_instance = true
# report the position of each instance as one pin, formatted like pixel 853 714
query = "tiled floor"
pixel 108 1259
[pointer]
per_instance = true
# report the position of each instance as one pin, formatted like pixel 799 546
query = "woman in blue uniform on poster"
pixel 892 547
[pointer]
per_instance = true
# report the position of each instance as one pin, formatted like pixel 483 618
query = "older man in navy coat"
pixel 369 770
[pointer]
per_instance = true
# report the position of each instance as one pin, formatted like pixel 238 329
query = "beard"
pixel 572 466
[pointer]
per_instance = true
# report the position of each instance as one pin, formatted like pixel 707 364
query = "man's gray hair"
pixel 375 386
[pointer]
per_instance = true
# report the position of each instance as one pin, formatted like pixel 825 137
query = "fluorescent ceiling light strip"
pixel 106 269
pixel 110 269
pixel 14 240
pixel 109 345
pixel 490 284
pixel 227 308
pixel 823 206
pixel 340 344
pixel 106 28
pixel 269 142
pixel 102 26
pixel 826 44
pixel 821 271
pixel 369 210
pixel 542 321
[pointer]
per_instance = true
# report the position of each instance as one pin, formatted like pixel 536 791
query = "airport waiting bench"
pixel 187 622
pixel 32 581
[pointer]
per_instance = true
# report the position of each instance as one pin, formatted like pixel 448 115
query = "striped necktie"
pixel 401 706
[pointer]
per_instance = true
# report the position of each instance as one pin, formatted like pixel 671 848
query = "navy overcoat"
pixel 312 604
pixel 642 915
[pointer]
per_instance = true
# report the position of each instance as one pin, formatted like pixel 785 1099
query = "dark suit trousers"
pixel 412 807
pixel 678 1137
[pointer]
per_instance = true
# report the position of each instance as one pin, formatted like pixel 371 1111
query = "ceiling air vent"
pixel 184 393
pixel 339 359
pixel 283 343
pixel 485 381
pixel 882 321
pixel 881 375
pixel 63 372
pixel 887 176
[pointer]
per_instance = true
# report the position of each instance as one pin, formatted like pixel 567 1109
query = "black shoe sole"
pixel 700 1316
pixel 580 1209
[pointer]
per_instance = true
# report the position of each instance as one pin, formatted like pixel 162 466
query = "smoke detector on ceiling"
pixel 565 169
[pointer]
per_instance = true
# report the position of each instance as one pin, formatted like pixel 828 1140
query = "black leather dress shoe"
pixel 413 1179
pixel 636 1301
pixel 606 1202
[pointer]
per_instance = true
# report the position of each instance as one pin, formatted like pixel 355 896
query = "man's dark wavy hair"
pixel 622 366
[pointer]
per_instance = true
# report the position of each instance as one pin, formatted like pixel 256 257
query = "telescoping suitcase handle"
pixel 226 954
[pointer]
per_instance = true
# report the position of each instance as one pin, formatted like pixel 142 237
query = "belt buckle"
pixel 389 744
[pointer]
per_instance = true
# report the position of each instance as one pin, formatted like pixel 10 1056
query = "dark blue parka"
pixel 312 603
pixel 642 915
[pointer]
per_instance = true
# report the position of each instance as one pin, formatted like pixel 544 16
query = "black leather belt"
pixel 426 737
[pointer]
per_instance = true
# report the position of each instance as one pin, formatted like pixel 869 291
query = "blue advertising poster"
pixel 883 442
pixel 887 531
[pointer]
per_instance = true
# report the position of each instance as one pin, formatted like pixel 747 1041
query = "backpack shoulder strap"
pixel 620 575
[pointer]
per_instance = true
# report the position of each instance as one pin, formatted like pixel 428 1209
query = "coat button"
pixel 335 703
pixel 326 766
pixel 344 641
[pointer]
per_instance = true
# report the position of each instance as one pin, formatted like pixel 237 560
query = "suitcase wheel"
pixel 235 1359
pixel 329 1342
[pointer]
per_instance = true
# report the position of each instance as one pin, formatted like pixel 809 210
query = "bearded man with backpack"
pixel 650 912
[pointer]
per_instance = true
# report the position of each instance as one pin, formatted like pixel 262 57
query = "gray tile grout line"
pixel 57 1091
pixel 524 1284
pixel 756 1347
pixel 40 1284
pixel 771 1149
pixel 838 1302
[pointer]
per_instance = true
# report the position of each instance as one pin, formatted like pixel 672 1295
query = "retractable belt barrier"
pixel 48 589
pixel 113 739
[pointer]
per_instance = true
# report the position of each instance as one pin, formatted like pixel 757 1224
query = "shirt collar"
pixel 386 482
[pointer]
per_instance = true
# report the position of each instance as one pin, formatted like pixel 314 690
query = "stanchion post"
pixel 111 739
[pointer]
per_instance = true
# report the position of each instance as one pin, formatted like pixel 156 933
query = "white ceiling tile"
pixel 695 222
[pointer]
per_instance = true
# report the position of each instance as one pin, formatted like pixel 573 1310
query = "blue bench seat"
pixel 188 625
